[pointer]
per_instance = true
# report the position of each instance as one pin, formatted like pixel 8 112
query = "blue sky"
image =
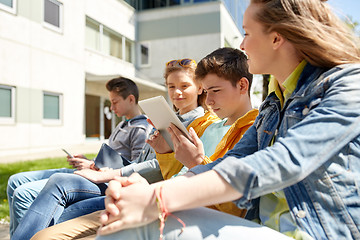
pixel 347 8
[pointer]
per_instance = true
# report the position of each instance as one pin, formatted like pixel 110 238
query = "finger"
pixel 113 189
pixel 122 180
pixel 194 136
pixel 152 138
pixel 110 228
pixel 174 133
pixel 110 206
pixel 135 178
pixel 178 132
pixel 104 217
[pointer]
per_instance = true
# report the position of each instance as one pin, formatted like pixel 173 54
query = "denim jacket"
pixel 315 159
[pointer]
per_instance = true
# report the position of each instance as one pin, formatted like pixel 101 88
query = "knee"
pixel 14 181
pixel 60 178
pixel 23 197
pixel 60 181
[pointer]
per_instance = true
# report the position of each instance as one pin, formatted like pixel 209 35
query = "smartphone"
pixel 70 156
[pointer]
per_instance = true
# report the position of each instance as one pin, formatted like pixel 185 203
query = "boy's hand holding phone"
pixel 78 161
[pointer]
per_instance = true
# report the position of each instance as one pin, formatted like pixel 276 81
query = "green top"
pixel 274 210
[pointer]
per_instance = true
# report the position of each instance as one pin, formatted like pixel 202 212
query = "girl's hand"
pixel 158 143
pixel 189 152
pixel 129 202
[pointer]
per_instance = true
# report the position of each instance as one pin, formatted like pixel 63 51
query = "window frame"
pixel 48 121
pixel 11 119
pixel 49 25
pixel 102 31
pixel 12 10
pixel 147 44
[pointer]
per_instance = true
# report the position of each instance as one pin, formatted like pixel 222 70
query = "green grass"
pixel 8 169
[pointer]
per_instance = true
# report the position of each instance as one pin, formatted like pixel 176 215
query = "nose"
pixel 178 91
pixel 209 101
pixel 242 45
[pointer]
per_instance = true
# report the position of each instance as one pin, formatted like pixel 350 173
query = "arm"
pixel 322 138
pixel 149 170
pixel 102 176
pixel 123 198
pixel 165 156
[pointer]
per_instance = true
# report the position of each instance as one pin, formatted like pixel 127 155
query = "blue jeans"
pixel 62 191
pixel 23 188
pixel 201 223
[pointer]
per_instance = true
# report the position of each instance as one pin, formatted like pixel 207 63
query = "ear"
pixel 243 85
pixel 131 98
pixel 278 40
pixel 200 90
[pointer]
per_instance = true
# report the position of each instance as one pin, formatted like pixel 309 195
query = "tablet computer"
pixel 161 115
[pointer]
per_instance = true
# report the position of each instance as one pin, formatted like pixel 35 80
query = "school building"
pixel 57 55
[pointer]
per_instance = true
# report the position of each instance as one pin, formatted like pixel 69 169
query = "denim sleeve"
pixel 149 169
pixel 310 143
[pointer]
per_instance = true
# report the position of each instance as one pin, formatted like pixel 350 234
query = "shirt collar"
pixel 289 84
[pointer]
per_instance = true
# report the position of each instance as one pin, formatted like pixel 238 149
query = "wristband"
pixel 163 211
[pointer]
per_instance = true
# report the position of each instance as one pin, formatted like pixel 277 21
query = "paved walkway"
pixel 4 232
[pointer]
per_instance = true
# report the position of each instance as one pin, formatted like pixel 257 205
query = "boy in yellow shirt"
pixel 224 76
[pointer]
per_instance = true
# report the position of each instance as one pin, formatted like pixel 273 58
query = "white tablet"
pixel 161 115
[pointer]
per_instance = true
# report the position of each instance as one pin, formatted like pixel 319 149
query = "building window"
pixel 144 54
pixel 7 106
pixel 52 106
pixel 53 14
pixel 111 43
pixel 92 34
pixel 8 5
pixel 108 41
pixel 129 50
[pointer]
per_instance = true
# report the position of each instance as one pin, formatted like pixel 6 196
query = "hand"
pixel 102 176
pixel 129 202
pixel 158 143
pixel 79 162
pixel 189 152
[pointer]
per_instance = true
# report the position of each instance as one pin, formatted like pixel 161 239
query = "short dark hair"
pixel 123 87
pixel 228 63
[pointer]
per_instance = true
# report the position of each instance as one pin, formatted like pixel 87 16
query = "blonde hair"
pixel 314 30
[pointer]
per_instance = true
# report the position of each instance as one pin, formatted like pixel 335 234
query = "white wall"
pixel 114 14
pixel 163 50
pixel 34 59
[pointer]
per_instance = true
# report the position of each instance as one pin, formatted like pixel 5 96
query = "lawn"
pixel 8 169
